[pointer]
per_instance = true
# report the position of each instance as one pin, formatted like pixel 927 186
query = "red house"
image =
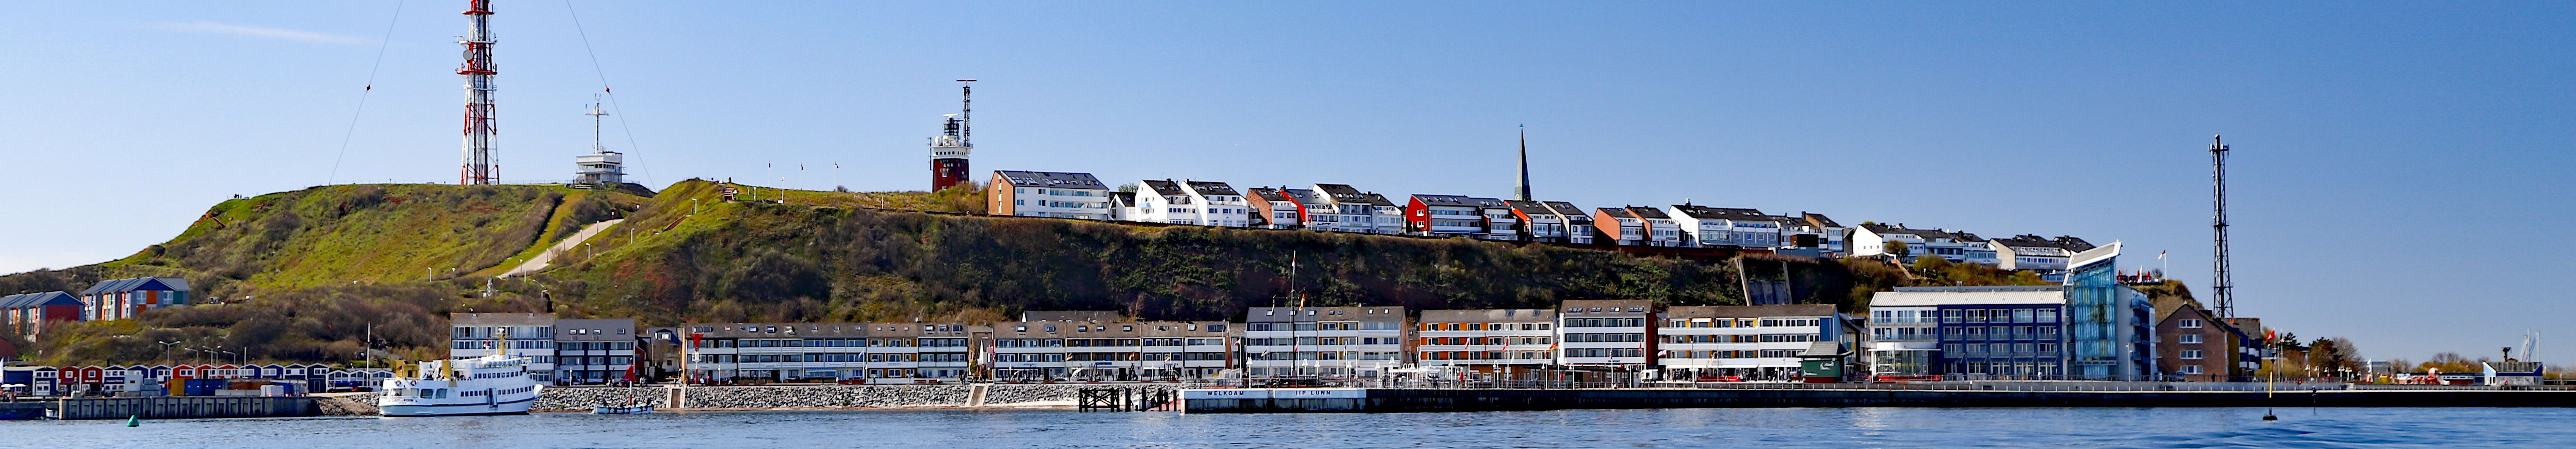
pixel 29 313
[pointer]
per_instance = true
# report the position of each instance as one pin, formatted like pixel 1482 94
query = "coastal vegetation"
pixel 306 275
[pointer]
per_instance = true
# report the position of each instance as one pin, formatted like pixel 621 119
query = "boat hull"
pixel 519 407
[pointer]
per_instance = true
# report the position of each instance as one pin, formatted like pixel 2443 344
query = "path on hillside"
pixel 539 262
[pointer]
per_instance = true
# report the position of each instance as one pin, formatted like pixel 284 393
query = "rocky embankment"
pixel 787 397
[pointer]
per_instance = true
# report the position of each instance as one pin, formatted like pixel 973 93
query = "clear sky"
pixel 2385 154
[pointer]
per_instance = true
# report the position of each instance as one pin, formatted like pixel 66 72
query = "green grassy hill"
pixel 303 275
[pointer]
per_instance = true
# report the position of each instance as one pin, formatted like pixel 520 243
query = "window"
pixel 2190 323
pixel 2191 339
pixel 2191 369
pixel 2191 354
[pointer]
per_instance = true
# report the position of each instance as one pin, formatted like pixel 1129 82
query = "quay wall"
pixel 808 396
pixel 169 407
pixel 1444 400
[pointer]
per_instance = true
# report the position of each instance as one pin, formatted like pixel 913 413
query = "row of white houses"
pixel 1343 208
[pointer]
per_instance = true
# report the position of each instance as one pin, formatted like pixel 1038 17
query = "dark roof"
pixel 1488 315
pixel 1529 207
pixel 501 319
pixel 1750 311
pixel 1165 187
pixel 1926 234
pixel 1211 188
pixel 2069 243
pixel 1103 316
pixel 1571 212
pixel 136 284
pixel 1268 194
pixel 1489 202
pixel 808 330
pixel 25 300
pixel 1648 212
pixel 1446 200
pixel 1818 220
pixel 1344 193
pixel 1049 179
pixel 1725 213
pixel 1302 195
pixel 1608 306
pixel 1617 212
pixel 1122 198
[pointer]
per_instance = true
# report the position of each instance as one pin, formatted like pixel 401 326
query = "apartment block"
pixel 1352 341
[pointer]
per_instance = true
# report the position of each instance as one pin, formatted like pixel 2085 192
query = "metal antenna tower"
pixel 1523 193
pixel 966 115
pixel 2222 286
pixel 596 111
pixel 478 71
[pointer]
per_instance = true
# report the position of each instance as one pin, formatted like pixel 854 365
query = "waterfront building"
pixel 1339 341
pixel 1723 227
pixel 1089 350
pixel 2091 328
pixel 1047 194
pixel 1508 344
pixel 1975 331
pixel 522 334
pixel 1747 342
pixel 2195 345
pixel 1444 216
pixel 824 352
pixel 118 299
pixel 30 313
pixel 1873 240
pixel 1363 211
pixel 593 351
pixel 2044 256
pixel 1608 333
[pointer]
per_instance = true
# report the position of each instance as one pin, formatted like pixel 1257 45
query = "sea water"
pixel 1717 427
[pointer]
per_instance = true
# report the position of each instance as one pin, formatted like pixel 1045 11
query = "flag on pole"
pixel 2160 255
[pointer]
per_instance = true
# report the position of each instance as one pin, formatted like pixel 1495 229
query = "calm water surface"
pixel 1792 427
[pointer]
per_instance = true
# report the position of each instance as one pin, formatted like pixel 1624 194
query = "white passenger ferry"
pixel 495 384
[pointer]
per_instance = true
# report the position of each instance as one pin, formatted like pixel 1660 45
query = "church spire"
pixel 1523 192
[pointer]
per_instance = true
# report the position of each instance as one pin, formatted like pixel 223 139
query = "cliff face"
pixel 306 273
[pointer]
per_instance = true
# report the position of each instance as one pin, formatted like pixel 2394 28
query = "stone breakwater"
pixel 802 396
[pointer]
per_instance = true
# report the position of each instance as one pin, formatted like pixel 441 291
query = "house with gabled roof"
pixel 1727 227
pixel 1047 194
pixel 1363 211
pixel 1873 240
pixel 1578 225
pixel 2042 255
pixel 29 313
pixel 1619 226
pixel 118 299
pixel 1826 234
pixel 1444 216
pixel 1206 203
pixel 1274 209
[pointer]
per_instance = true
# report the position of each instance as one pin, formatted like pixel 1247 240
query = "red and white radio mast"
pixel 478 71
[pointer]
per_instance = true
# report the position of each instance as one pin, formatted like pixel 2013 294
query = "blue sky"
pixel 2384 152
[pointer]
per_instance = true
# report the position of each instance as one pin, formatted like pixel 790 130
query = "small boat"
pixel 495 384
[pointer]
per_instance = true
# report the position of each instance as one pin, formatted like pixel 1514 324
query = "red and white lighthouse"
pixel 955 143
